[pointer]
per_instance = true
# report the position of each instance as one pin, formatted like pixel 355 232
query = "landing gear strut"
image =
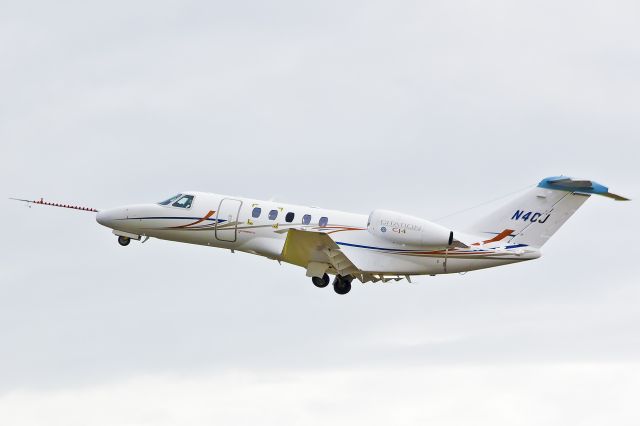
pixel 321 282
pixel 342 284
pixel 124 241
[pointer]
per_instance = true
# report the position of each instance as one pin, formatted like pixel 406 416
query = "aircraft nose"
pixel 110 217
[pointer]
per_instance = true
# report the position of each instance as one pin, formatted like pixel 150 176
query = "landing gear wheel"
pixel 342 285
pixel 326 279
pixel 321 282
pixel 124 241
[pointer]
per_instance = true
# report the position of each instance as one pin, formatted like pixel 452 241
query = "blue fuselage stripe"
pixel 167 217
pixel 341 243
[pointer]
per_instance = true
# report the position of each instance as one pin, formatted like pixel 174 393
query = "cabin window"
pixel 289 217
pixel 256 212
pixel 323 221
pixel 184 202
pixel 273 214
pixel 306 219
pixel 170 200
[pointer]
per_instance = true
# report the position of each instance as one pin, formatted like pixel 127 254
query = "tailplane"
pixel 537 214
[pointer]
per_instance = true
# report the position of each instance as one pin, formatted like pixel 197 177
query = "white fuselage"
pixel 234 223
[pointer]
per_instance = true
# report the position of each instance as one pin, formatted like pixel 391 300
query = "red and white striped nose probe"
pixel 41 201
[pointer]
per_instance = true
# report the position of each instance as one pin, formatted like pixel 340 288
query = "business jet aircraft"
pixel 382 246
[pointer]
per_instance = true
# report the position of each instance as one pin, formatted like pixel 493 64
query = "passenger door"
pixel 227 219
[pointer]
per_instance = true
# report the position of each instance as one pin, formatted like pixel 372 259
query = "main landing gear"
pixel 124 241
pixel 341 284
pixel 321 282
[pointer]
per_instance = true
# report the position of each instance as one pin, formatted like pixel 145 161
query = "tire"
pixel 341 285
pixel 320 282
pixel 124 241
pixel 326 279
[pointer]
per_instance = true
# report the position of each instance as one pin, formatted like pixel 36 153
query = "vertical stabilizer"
pixel 539 212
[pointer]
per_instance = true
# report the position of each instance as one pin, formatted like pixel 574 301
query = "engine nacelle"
pixel 409 230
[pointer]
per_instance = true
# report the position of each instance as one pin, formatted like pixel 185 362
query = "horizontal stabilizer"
pixel 615 196
pixel 581 186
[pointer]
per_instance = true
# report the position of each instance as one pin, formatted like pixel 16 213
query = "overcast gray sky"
pixel 422 107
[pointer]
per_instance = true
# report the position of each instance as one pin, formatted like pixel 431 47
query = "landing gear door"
pixel 227 219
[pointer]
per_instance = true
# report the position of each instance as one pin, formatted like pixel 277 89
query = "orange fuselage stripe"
pixel 501 236
pixel 207 216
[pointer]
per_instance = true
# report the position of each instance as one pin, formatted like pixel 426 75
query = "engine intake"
pixel 400 228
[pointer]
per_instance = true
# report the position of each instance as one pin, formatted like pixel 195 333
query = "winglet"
pixel 582 186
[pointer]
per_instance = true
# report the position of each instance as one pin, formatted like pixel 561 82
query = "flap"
pixel 304 247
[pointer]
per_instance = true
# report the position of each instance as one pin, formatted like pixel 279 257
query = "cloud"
pixel 584 394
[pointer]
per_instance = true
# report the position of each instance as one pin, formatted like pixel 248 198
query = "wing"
pixel 316 252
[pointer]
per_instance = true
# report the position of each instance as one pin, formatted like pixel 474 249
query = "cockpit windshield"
pixel 184 202
pixel 170 200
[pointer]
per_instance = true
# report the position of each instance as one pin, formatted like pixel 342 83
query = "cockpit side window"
pixel 170 200
pixel 184 202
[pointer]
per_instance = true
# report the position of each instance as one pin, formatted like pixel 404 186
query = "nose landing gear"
pixel 124 238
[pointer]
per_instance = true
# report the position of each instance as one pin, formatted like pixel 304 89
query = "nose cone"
pixel 111 217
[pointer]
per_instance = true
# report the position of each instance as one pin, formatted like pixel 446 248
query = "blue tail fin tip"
pixel 581 186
